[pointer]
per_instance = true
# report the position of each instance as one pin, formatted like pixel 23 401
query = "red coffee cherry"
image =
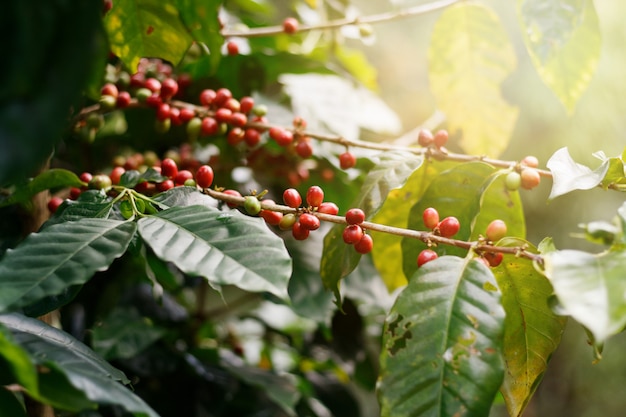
pixel 153 85
pixel 75 193
pixel 163 112
pixel 304 148
pixel 355 216
pixel 186 114
pixel 314 196
pixel 494 259
pixel 496 230
pixel 283 138
pixel 238 119
pixel 116 175
pixel 530 161
pixel 292 198
pixel 221 96
pixel 246 104
pixel 169 168
pixel 309 221
pixel 425 138
pixel 347 160
pixel 233 193
pixel 54 204
pixel 235 136
pixel 123 99
pixel 207 97
pixel 223 115
pixel 290 25
pixel 204 176
pixel 299 232
pixel 183 176
pixel 365 245
pixel 426 256
pixel 449 226
pixel 169 88
pixel 431 218
pixel 441 138
pixel 109 89
pixel 252 137
pixel 352 234
pixel 209 126
pixel 272 218
pixel 530 178
pixel 232 48
pixel 328 208
pixel 86 177
pixel 164 185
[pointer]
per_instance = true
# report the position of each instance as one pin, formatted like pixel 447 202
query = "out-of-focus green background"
pixel 573 386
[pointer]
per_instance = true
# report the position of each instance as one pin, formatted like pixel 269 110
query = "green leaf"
pixel 457 192
pixel 202 18
pixel 184 196
pixel 563 40
pixel 146 28
pixel 11 406
pixel 123 334
pixel 227 248
pixel 52 178
pixel 65 254
pixel 15 364
pixel 532 332
pixel 568 175
pixel 442 343
pixel 391 171
pixel 590 288
pixel 469 57
pixel 86 371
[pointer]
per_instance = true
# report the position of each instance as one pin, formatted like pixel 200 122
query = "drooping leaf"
pixel 568 175
pixel 391 171
pixel 395 212
pixel 48 262
pixel 123 334
pixel 564 42
pixel 532 331
pixel 15 364
pixel 146 28
pixel 590 288
pixel 469 57
pixel 87 372
pixel 456 192
pixel 442 343
pixel 51 178
pixel 227 248
pixel 312 97
pixel 202 18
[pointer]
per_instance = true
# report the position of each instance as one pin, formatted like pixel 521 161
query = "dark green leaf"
pixel 146 28
pixel 123 334
pixel 227 248
pixel 590 288
pixel 442 343
pixel 130 178
pixel 184 196
pixel 338 260
pixel 11 406
pixel 15 364
pixel 568 175
pixel 90 204
pixel 65 254
pixel 51 178
pixel 86 371
pixel 201 17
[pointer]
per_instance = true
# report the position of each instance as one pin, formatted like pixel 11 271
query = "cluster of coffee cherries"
pixel 426 138
pixel 355 234
pixel 525 175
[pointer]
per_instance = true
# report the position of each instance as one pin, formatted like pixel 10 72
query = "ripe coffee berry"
pixel 355 216
pixel 54 204
pixel 186 114
pixel 252 205
pixel 169 168
pixel 494 259
pixel 163 112
pixel 164 185
pixel 233 193
pixel 426 256
pixel 233 105
pixel 169 88
pixel 209 126
pixel 207 97
pixel 204 176
pixel 238 119
pixel 123 99
pixel 441 138
pixel 153 85
pixel 116 175
pixel 272 218
pixel 328 208
pixel 223 115
pixel 347 160
pixel 235 136
pixel 425 138
pixel 292 198
pixel 252 137
pixel 431 218
pixel 309 221
pixel 530 178
pixel 222 95
pixel 109 89
pixel 299 232
pixel 314 196
pixel 352 234
pixel 175 116
pixel 246 104
pixel 285 138
pixel 75 193
pixel 304 148
pixel 85 177
pixel 365 245
pixel 449 227
pixel 290 25
pixel 232 48
pixel 496 230
pixel 183 176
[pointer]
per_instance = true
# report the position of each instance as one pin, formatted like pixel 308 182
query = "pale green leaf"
pixel 442 343
pixel 227 248
pixel 65 254
pixel 469 57
pixel 564 42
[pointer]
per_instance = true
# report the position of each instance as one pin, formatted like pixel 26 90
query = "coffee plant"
pixel 208 212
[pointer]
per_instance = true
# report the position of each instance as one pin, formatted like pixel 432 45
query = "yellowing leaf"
pixel 563 40
pixel 469 57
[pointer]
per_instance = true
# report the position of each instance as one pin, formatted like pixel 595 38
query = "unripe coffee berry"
pixel 496 230
pixel 365 245
pixel 292 198
pixel 309 221
pixel 314 196
pixel 425 138
pixel 355 216
pixel 204 176
pixel 252 205
pixel 287 221
pixel 449 226
pixel 431 218
pixel 513 181
pixel 426 256
pixel 352 234
pixel 100 182
pixel 530 161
